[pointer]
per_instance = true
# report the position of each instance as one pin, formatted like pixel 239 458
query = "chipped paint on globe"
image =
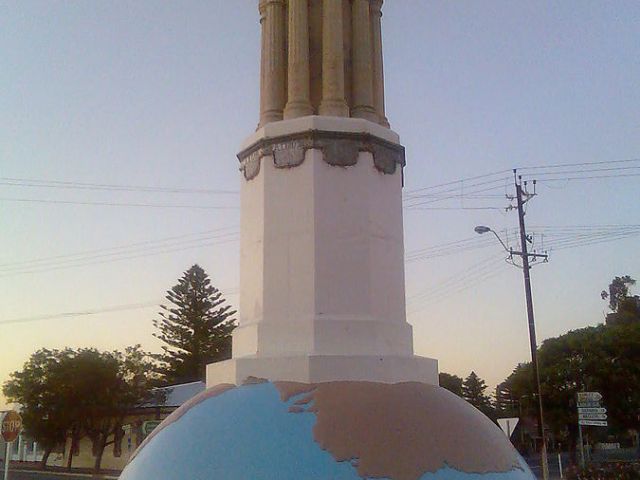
pixel 334 430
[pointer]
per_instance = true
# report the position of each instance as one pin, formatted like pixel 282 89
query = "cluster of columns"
pixel 285 86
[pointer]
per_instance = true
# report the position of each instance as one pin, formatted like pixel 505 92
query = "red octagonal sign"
pixel 11 426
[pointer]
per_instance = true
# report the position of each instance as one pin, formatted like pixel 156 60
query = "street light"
pixel 481 229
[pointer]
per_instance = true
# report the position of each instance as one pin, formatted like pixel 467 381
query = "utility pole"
pixel 522 197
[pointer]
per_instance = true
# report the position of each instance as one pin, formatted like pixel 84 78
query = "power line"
pixel 116 204
pixel 594 177
pixel 457 277
pixel 461 180
pixel 66 266
pixel 456 282
pixel 415 193
pixel 562 165
pixel 469 283
pixel 30 182
pixel 208 234
pixel 458 188
pixel 456 195
pixel 486 270
pixel 93 311
pixel 590 170
pixel 453 208
pixel 592 240
pixel 552 236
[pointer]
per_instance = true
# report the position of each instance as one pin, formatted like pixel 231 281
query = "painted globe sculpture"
pixel 336 430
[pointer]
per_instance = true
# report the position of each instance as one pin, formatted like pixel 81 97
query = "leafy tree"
pixel 625 308
pixel 473 391
pixel 196 328
pixel 77 393
pixel 512 394
pixel 453 383
pixel 604 359
pixel 618 291
pixel 109 385
pixel 37 388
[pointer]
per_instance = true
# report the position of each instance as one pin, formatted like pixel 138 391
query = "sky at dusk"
pixel 161 94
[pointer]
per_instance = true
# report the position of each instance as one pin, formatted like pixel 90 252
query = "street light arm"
pixel 500 240
pixel 480 229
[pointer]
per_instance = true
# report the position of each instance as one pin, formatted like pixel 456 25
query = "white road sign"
pixel 508 425
pixel 592 410
pixel 593 423
pixel 589 404
pixel 589 396
pixel 592 416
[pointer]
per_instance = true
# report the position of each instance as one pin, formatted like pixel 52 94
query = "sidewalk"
pixel 32 471
pixel 19 474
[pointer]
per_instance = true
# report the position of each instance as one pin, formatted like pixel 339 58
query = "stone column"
pixel 273 62
pixel 333 99
pixel 298 104
pixel 362 62
pixel 378 70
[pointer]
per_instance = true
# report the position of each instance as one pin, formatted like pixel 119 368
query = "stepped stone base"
pixel 325 368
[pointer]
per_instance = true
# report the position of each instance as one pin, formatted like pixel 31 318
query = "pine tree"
pixel 453 383
pixel 196 328
pixel 473 389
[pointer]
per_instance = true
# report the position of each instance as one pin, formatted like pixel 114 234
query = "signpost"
pixel 10 429
pixel 589 397
pixel 590 413
pixel 583 410
pixel 149 426
pixel 594 423
pixel 592 416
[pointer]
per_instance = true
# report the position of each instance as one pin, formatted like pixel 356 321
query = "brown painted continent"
pixel 402 431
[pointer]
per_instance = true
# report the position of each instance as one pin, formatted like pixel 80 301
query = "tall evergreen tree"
pixel 473 389
pixel 453 383
pixel 196 328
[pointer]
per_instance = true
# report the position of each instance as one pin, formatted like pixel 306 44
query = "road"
pixel 26 475
pixel 554 470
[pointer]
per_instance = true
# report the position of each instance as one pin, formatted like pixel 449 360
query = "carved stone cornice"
pixel 338 148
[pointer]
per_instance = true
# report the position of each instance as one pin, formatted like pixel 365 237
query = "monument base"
pixel 325 368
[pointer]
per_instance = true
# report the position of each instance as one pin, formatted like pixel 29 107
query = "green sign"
pixel 148 426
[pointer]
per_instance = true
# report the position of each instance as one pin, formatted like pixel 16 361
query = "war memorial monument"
pixel 323 383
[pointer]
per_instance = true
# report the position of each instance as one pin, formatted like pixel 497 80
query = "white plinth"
pixel 322 266
pixel 325 368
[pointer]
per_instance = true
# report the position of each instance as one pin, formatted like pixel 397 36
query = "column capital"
pixel 376 5
pixel 262 6
pixel 264 3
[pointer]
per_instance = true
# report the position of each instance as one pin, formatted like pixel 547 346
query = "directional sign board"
pixel 589 404
pixel 593 423
pixel 592 416
pixel 589 396
pixel 592 410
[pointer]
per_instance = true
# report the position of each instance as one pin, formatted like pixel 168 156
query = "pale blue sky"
pixel 161 93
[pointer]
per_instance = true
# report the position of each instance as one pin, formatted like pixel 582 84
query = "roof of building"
pixel 178 394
